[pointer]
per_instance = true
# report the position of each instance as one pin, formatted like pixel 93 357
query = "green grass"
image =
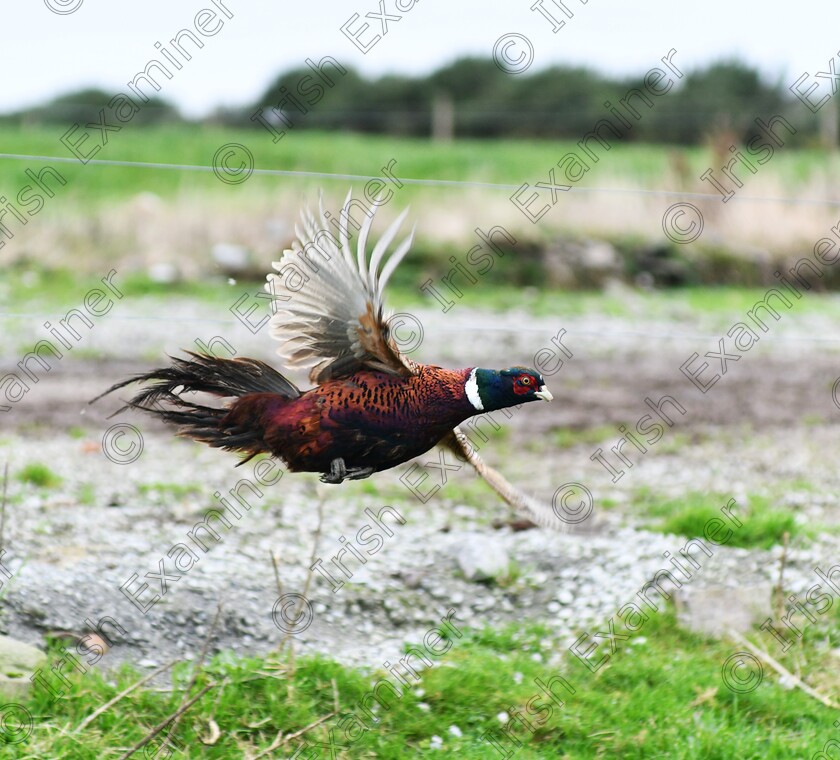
pixel 760 530
pixel 764 524
pixel 164 490
pixel 86 494
pixel 567 438
pixel 502 161
pixel 28 289
pixel 800 484
pixel 38 474
pixel 659 695
pixel 497 161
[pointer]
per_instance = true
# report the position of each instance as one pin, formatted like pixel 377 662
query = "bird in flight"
pixel 372 407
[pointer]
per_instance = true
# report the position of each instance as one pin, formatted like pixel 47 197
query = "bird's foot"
pixel 339 473
pixel 359 473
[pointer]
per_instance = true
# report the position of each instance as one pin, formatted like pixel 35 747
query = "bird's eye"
pixel 525 380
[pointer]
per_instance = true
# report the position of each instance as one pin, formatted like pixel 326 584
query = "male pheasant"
pixel 372 407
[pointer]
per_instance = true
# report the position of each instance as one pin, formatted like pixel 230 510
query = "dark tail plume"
pixel 236 427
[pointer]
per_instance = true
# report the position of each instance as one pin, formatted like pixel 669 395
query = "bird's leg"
pixel 337 473
pixel 358 473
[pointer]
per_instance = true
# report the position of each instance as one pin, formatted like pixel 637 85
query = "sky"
pixel 51 47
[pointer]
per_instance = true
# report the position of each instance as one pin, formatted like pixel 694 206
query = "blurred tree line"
pixel 472 97
pixel 83 106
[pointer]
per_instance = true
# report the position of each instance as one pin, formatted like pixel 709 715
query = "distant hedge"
pixel 473 97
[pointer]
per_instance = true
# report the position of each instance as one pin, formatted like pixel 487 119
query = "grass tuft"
pixel 763 525
pixel 40 475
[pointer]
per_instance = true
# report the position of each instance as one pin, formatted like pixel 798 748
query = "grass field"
pixel 502 161
pixel 118 205
pixel 497 161
pixel 661 694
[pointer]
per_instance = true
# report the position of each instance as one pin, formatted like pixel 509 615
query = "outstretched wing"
pixel 329 311
pixel 538 512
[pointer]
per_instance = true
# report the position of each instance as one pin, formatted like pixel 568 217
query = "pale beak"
pixel 544 394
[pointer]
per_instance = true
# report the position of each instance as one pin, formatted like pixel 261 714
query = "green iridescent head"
pixel 489 389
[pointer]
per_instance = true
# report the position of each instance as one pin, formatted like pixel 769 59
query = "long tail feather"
pixel 235 427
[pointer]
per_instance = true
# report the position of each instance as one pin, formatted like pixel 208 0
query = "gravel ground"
pixel 767 426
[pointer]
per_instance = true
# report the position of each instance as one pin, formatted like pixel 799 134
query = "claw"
pixel 339 473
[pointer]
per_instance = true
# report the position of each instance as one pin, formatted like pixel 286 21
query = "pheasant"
pixel 372 407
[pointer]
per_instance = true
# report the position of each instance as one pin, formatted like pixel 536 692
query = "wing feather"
pixel 381 246
pixel 329 308
pixel 395 258
pixel 361 250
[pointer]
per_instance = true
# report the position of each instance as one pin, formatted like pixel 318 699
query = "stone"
pixel 163 272
pixel 713 610
pixel 230 258
pixel 18 661
pixel 481 558
pixel 565 597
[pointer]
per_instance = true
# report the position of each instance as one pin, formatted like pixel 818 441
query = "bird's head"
pixel 490 389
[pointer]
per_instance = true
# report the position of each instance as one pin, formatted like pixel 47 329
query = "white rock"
pixel 230 257
pixel 481 557
pixel 17 661
pixel 163 272
pixel 565 597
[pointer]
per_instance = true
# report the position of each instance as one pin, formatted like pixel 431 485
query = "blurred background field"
pixel 144 216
